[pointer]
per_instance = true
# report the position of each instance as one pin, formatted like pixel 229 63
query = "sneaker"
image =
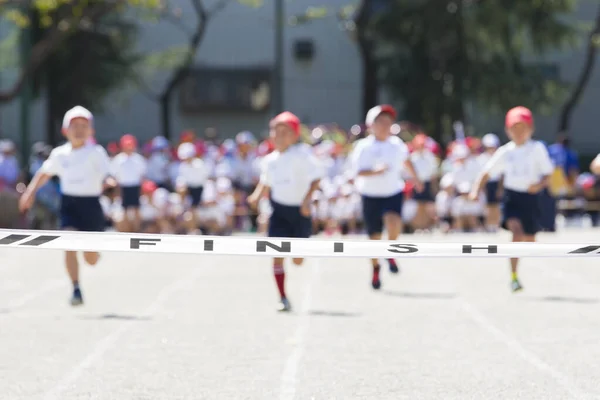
pixel 376 282
pixel 393 266
pixel 284 305
pixel 77 298
pixel 516 285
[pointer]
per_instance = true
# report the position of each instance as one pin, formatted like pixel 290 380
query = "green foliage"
pixel 437 55
pixel 92 64
pixel 9 55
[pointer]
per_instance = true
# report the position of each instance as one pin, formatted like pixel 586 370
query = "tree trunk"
pixel 586 73
pixel 42 50
pixel 370 85
pixel 52 134
pixel 165 114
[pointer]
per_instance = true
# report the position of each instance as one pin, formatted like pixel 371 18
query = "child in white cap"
pixel 191 178
pixel 83 169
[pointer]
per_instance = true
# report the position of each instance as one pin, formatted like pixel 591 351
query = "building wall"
pixel 586 117
pixel 325 90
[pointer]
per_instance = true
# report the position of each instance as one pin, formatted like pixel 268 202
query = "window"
pixel 226 89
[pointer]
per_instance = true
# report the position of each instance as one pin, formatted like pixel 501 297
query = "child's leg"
pixel 72 265
pixel 279 273
pixel 518 235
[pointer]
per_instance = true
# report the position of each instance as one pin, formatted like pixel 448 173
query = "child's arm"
pixel 494 166
pixel 544 163
pixel 306 203
pixel 28 197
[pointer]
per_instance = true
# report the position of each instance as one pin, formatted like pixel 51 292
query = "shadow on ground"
pixel 323 313
pixel 566 299
pixel 417 295
pixel 117 317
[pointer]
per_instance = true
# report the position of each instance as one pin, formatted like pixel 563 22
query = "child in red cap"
pixel 291 175
pixel 129 170
pixel 526 167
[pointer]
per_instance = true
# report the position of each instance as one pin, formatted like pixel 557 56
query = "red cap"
pixel 148 187
pixel 288 119
pixel 128 142
pixel 473 143
pixel 518 114
pixel 113 148
pixel 187 136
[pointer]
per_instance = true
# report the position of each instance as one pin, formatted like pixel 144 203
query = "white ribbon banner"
pixel 282 247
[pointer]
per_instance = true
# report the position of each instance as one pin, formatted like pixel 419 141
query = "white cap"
pixel 460 151
pixel 245 137
pixel 376 111
pixel 446 181
pixel 186 151
pixel 76 112
pixel 7 145
pixel 464 187
pixel 223 185
pixel 346 190
pixel 490 140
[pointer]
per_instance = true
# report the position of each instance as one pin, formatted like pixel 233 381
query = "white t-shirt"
pixel 192 174
pixel 371 153
pixel 148 211
pixel 81 171
pixel 157 168
pixel 464 174
pixel 290 174
pixel 128 169
pixel 522 166
pixel 482 160
pixel 425 163
pixel 246 170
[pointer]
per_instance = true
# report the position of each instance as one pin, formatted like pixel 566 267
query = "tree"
pixel 179 60
pixel 586 73
pixel 88 66
pixel 60 19
pixel 436 56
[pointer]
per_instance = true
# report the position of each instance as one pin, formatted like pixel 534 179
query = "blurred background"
pixel 213 68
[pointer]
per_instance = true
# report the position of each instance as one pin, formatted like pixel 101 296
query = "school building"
pixel 230 88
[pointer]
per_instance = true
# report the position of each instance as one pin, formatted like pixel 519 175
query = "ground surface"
pixel 164 327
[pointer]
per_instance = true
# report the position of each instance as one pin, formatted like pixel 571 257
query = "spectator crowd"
pixel 227 171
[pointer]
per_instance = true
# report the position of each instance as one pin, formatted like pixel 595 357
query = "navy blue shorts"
pixel 375 207
pixel 491 193
pixel 287 221
pixel 82 213
pixel 247 189
pixel 130 196
pixel 196 195
pixel 426 196
pixel 524 207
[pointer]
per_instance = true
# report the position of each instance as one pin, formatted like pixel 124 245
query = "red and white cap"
pixel 74 113
pixel 518 114
pixel 377 111
pixel 288 119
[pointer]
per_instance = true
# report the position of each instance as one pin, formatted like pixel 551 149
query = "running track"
pixel 163 327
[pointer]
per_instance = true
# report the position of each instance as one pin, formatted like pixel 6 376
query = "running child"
pixel 83 169
pixel 378 163
pixel 291 174
pixel 526 167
